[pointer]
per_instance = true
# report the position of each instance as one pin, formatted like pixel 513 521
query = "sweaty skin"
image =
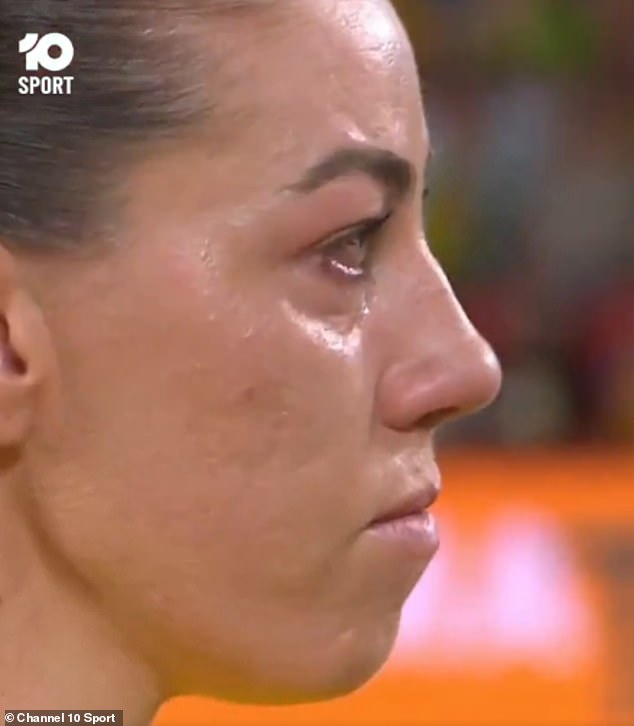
pixel 205 419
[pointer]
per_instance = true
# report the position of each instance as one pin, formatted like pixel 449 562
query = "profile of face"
pixel 209 416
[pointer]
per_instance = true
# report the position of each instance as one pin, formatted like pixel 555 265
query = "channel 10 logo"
pixel 38 53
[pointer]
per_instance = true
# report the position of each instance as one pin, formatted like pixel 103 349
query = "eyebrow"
pixel 390 170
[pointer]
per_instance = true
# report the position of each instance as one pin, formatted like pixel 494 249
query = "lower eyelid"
pixel 353 273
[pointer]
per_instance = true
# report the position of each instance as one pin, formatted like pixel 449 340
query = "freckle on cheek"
pixel 248 395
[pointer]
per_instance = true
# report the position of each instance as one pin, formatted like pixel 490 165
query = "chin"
pixel 338 671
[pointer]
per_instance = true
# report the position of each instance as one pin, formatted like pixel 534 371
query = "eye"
pixel 348 253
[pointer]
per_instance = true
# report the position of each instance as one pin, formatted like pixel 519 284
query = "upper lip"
pixel 413 503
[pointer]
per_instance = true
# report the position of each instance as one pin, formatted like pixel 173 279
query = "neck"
pixel 58 652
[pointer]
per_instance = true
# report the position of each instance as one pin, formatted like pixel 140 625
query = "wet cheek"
pixel 289 420
pixel 277 419
pixel 258 409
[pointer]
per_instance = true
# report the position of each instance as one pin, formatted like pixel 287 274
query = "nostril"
pixel 435 418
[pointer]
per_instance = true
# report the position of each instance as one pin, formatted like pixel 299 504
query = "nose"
pixel 438 366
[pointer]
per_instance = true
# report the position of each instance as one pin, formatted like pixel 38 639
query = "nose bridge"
pixel 431 320
pixel 438 363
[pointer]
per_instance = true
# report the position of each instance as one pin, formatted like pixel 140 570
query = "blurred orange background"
pixel 524 617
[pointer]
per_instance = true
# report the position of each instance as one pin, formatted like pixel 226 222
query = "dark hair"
pixel 135 80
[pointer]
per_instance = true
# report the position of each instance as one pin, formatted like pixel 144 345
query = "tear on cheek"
pixel 343 341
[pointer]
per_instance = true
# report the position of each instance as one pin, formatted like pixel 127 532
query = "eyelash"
pixel 364 232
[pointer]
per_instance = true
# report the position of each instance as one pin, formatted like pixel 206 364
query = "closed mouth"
pixel 412 505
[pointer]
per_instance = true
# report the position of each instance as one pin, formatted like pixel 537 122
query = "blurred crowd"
pixel 531 109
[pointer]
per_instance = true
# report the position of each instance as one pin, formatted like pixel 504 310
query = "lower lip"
pixel 415 534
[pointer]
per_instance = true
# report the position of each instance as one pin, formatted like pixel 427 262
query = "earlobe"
pixel 25 358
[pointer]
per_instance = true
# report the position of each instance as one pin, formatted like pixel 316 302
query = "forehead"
pixel 327 72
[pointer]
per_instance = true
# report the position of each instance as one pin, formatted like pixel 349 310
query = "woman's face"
pixel 253 374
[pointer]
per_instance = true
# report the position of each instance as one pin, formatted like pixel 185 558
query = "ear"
pixel 28 370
